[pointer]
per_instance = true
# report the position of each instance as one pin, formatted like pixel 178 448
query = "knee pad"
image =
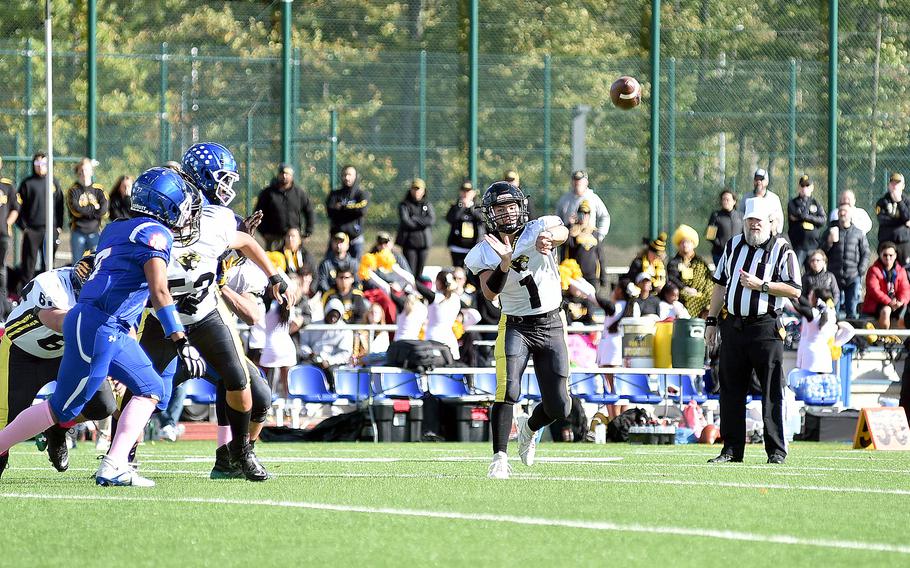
pixel 102 405
pixel 262 398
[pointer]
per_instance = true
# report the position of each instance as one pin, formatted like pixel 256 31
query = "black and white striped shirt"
pixel 773 261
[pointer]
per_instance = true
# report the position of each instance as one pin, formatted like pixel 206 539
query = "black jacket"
pixel 725 225
pixel 807 220
pixel 8 202
pixel 87 206
pixel 460 218
pixel 848 257
pixel 33 202
pixel 821 280
pixel 346 207
pixel 416 220
pixel 284 209
pixel 892 219
pixel 119 206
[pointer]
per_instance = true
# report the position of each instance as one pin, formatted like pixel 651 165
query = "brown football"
pixel 625 92
pixel 709 434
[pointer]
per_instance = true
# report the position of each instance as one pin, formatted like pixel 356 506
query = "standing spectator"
pixel 284 204
pixel 893 213
pixel 887 288
pixel 512 177
pixel 567 208
pixel 9 212
pixel 861 217
pixel 818 277
pixel 755 275
pixel 336 257
pixel 651 261
pixel 415 227
pixel 848 254
pixel 723 224
pixel 87 206
pixel 465 224
pixel 760 190
pixel 346 208
pixel 689 272
pixel 32 196
pixel 119 200
pixel 581 246
pixel 807 219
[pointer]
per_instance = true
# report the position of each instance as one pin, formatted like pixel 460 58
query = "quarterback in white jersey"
pixel 516 262
pixel 31 350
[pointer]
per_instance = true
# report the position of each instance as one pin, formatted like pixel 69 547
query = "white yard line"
pixel 535 477
pixel 592 525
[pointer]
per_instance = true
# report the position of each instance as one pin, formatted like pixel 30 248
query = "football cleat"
pixel 57 452
pixel 243 458
pixel 499 467
pixel 112 474
pixel 527 441
pixel 223 468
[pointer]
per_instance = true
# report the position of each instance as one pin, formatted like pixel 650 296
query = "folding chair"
pixel 200 391
pixel 635 388
pixel 591 387
pixel 685 389
pixel 307 383
pixel 399 384
pixel 448 386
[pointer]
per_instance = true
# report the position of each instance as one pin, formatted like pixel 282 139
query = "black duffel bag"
pixel 418 355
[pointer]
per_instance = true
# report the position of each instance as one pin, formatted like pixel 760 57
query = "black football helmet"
pixel 502 193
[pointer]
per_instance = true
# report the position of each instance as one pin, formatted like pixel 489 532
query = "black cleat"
pixel 57 452
pixel 244 459
pixel 776 458
pixel 725 458
pixel 4 460
pixel 222 468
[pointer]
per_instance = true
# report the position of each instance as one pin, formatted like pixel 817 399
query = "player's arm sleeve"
pixel 477 261
pixel 720 275
pixel 789 269
pixel 550 221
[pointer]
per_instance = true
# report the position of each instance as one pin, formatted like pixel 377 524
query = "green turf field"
pixel 415 504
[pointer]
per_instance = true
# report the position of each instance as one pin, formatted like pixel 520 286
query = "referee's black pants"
pixel 749 344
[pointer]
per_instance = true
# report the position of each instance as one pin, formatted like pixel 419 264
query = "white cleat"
pixel 111 474
pixel 500 468
pixel 527 441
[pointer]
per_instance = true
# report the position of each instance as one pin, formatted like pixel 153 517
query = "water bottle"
pixel 600 434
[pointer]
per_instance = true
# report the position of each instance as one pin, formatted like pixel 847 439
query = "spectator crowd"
pixel 365 277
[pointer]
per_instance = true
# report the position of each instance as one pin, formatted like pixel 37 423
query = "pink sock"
pixel 31 421
pixel 224 435
pixel 132 420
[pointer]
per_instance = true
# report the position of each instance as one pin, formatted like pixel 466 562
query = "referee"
pixel 755 273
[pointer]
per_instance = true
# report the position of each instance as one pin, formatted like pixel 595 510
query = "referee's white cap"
pixel 757 208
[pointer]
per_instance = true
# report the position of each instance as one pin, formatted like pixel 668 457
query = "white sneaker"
pixel 500 468
pixel 168 432
pixel 111 474
pixel 527 441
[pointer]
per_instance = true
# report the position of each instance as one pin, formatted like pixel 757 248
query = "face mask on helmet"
pixel 504 208
pixel 81 272
pixel 191 216
pixel 224 181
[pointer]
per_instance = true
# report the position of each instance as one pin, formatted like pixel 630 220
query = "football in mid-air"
pixel 625 92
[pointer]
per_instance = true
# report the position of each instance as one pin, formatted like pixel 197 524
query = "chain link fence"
pixel 742 86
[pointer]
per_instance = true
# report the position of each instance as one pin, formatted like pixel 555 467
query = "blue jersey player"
pixel 130 269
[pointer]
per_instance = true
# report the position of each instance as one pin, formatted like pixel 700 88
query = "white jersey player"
pixel 516 262
pixel 31 350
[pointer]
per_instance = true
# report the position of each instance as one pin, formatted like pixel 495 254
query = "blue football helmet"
pixel 214 171
pixel 163 194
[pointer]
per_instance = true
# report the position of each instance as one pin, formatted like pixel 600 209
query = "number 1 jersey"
pixel 533 285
